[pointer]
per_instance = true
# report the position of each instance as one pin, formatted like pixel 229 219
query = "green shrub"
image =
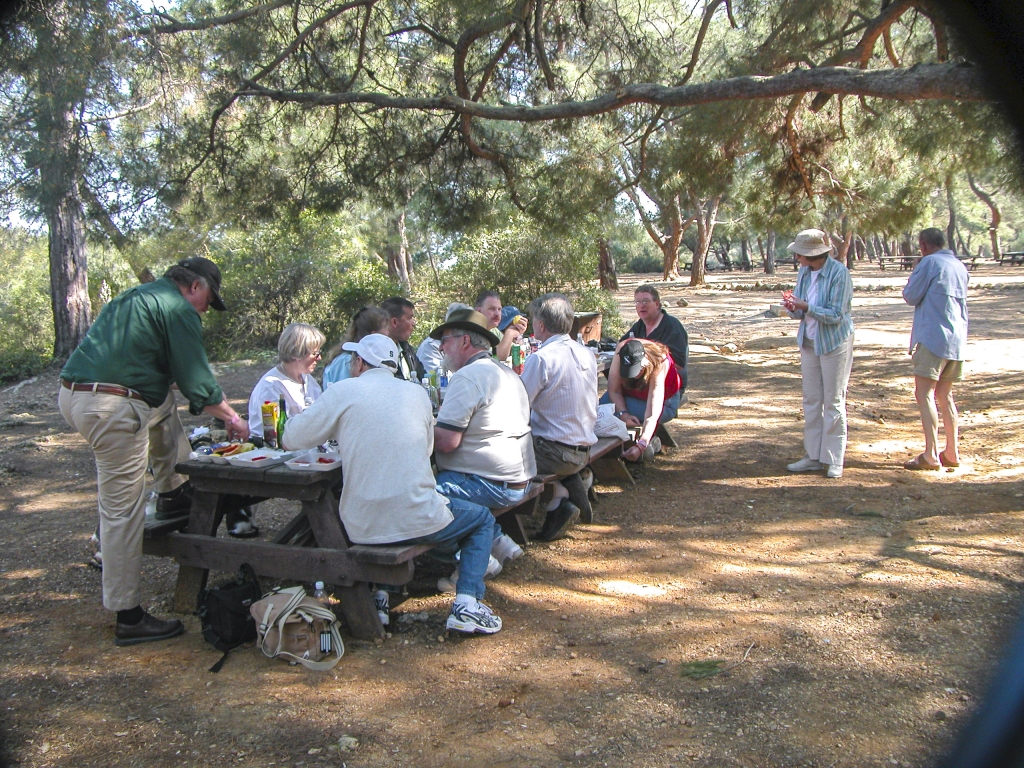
pixel 646 263
pixel 302 270
pixel 521 261
pixel 26 318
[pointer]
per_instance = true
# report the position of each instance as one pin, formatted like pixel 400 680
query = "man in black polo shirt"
pixel 657 325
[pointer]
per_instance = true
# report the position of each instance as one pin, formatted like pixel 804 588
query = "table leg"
pixel 356 600
pixel 191 580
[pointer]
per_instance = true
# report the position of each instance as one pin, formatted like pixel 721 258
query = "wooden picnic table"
pixel 311 547
pixel 904 262
pixel 1014 257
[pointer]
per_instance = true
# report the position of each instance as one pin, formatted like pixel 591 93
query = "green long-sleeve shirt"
pixel 146 339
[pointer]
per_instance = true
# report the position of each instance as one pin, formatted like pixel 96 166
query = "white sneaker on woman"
pixel 834 471
pixel 806 464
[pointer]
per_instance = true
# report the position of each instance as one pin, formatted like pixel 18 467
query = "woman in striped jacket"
pixel 822 302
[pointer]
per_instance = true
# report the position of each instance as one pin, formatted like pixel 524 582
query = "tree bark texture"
pixel 606 266
pixel 951 227
pixel 62 206
pixel 398 263
pixel 769 254
pixel 993 225
pixel 924 81
pixel 707 213
pixel 745 254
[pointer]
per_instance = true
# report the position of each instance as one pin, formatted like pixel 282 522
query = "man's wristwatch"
pixel 619 414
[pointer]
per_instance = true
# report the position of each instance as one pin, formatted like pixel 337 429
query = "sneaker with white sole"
pixel 447 584
pixel 473 619
pixel 834 471
pixel 382 601
pixel 653 448
pixel 504 550
pixel 96 556
pixel 806 464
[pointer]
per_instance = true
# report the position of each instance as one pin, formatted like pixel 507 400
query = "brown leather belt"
pixel 103 389
pixel 513 486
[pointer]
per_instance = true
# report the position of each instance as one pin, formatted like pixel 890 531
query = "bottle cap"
pixel 319 585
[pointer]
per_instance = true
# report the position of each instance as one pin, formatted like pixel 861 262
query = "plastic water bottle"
pixel 320 594
pixel 442 386
pixel 431 392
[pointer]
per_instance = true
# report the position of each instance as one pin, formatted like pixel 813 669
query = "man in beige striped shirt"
pixel 561 380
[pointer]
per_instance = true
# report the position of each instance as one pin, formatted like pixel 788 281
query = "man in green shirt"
pixel 116 391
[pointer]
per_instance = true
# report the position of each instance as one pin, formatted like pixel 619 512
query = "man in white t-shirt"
pixel 388 496
pixel 484 449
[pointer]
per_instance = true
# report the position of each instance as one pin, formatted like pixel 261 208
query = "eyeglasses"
pixel 316 355
pixel 643 302
pixel 450 336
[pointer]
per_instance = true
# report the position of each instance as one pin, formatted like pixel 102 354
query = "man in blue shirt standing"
pixel 937 289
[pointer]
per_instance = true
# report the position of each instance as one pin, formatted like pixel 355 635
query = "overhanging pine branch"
pixel 958 82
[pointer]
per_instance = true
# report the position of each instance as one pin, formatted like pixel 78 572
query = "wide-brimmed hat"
pixel 465 320
pixel 631 359
pixel 206 269
pixel 810 243
pixel 376 349
pixel 508 314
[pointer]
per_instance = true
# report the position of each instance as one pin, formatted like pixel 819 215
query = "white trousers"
pixel 825 379
pixel 125 435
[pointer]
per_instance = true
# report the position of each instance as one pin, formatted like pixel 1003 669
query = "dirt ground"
pixel 852 622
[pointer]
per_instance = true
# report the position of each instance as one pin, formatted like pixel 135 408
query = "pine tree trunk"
pixel 997 217
pixel 769 254
pixel 706 219
pixel 62 206
pixel 670 245
pixel 606 266
pixel 745 255
pixel 951 227
pixel 398 265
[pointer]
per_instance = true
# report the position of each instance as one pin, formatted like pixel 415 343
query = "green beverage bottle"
pixel 282 417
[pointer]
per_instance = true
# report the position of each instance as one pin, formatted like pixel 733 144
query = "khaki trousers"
pixel 126 435
pixel 825 381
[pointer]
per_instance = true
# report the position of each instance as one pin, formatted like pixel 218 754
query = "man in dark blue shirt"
pixel 657 325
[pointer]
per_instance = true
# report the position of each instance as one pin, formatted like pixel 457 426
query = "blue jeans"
pixel 638 408
pixel 472 531
pixel 475 489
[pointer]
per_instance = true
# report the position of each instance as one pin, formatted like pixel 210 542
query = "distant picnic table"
pixel 1014 257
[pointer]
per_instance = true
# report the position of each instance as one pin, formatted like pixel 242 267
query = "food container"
pixel 315 461
pixel 259 459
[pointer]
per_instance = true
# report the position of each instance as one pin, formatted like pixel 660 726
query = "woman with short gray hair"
pixel 298 350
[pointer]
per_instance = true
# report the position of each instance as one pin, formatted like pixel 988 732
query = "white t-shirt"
pixel 297 397
pixel 488 404
pixel 810 324
pixel 389 492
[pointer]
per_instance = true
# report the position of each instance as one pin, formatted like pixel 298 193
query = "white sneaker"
pixel 473 619
pixel 504 550
pixel 448 584
pixel 382 601
pixel 805 464
pixel 653 448
pixel 834 471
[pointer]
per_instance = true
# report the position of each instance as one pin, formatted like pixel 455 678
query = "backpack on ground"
pixel 224 613
pixel 295 627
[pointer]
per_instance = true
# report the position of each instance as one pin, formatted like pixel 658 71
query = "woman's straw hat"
pixel 810 242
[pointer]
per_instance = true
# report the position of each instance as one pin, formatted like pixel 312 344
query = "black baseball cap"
pixel 206 268
pixel 631 359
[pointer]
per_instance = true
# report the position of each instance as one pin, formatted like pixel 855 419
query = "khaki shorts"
pixel 931 366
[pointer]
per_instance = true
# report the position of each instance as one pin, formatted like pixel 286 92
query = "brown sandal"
pixel 919 463
pixel 947 462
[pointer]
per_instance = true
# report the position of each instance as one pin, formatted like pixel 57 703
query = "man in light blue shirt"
pixel 937 289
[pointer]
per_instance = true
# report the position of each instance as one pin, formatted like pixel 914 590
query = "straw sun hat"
pixel 810 243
